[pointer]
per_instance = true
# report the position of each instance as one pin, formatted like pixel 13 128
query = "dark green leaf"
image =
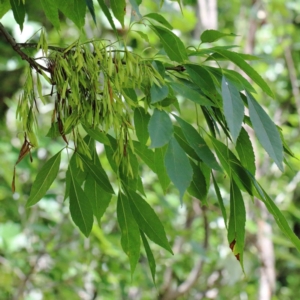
pixel 160 128
pixel 4 7
pixel 266 131
pixel 107 14
pixel 148 221
pixel 90 5
pixel 235 58
pixel 145 154
pixel 51 12
pixel 198 187
pixel 44 179
pixel 233 107
pixel 97 172
pixel 160 169
pixel 237 221
pixel 191 94
pixel 172 44
pixel 150 257
pixel 198 144
pixel 80 207
pixel 209 36
pixel 220 200
pixel 245 151
pixel 178 167
pixel 130 234
pixel 158 93
pixel 159 18
pixel 97 135
pixel 141 120
pixel 98 198
pixel 18 9
pixel 119 8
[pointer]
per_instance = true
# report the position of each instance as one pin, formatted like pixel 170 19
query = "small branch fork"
pixel 17 49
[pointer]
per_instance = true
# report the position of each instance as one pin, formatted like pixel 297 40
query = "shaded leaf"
pixel 220 200
pixel 135 5
pixel 233 107
pixel 44 179
pixel 148 221
pixel 172 44
pixel 266 131
pixel 97 135
pixel 178 167
pixel 130 234
pixel 158 93
pixel 90 5
pixel 145 154
pixel 141 120
pixel 209 36
pixel 160 169
pixel 18 9
pixel 107 15
pixel 51 12
pixel 160 128
pixel 198 144
pixel 159 18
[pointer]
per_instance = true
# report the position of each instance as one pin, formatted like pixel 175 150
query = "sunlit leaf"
pixel 209 36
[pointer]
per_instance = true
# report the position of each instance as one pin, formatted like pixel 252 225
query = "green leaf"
pixel 135 5
pixel 80 207
pixel 97 172
pixel 198 187
pixel 178 167
pixel 190 94
pixel 238 78
pixel 98 198
pixel 90 5
pixel 220 200
pixel 160 128
pixel 245 151
pixel 119 8
pixel 141 121
pixel 233 106
pixel 158 93
pixel 51 12
pixel 72 9
pixel 266 131
pixel 159 18
pixel 107 15
pixel 145 154
pixel 198 144
pixel 148 221
pixel 44 179
pixel 172 44
pixel 160 169
pixel 4 7
pixel 209 36
pixel 235 58
pixel 150 257
pixel 237 222
pixel 97 135
pixel 18 9
pixel 130 234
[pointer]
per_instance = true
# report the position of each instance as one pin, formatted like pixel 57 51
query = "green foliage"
pixel 102 91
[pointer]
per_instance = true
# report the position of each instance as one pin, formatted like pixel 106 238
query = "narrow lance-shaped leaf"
pixel 233 106
pixel 150 257
pixel 119 8
pixel 160 128
pixel 220 200
pixel 172 44
pixel 159 18
pixel 107 15
pixel 148 221
pixel 198 144
pixel 178 167
pixel 90 5
pixel 209 36
pixel 141 121
pixel 80 207
pixel 130 234
pixel 266 131
pixel 237 221
pixel 160 169
pixel 4 7
pixel 44 179
pixel 135 5
pixel 51 12
pixel 18 9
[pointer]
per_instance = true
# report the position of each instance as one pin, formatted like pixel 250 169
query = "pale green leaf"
pixel 266 131
pixel 44 179
pixel 178 167
pixel 160 128
pixel 130 234
pixel 148 221
pixel 97 135
pixel 141 120
pixel 233 107
pixel 198 144
pixel 209 36
pixel 172 44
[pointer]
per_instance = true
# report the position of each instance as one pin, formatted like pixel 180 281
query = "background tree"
pixel 108 271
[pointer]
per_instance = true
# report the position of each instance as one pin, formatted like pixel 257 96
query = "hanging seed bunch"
pixel 90 84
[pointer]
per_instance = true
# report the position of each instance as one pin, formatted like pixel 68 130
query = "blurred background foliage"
pixel 43 256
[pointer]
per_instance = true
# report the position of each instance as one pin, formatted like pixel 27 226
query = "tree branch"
pixel 17 49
